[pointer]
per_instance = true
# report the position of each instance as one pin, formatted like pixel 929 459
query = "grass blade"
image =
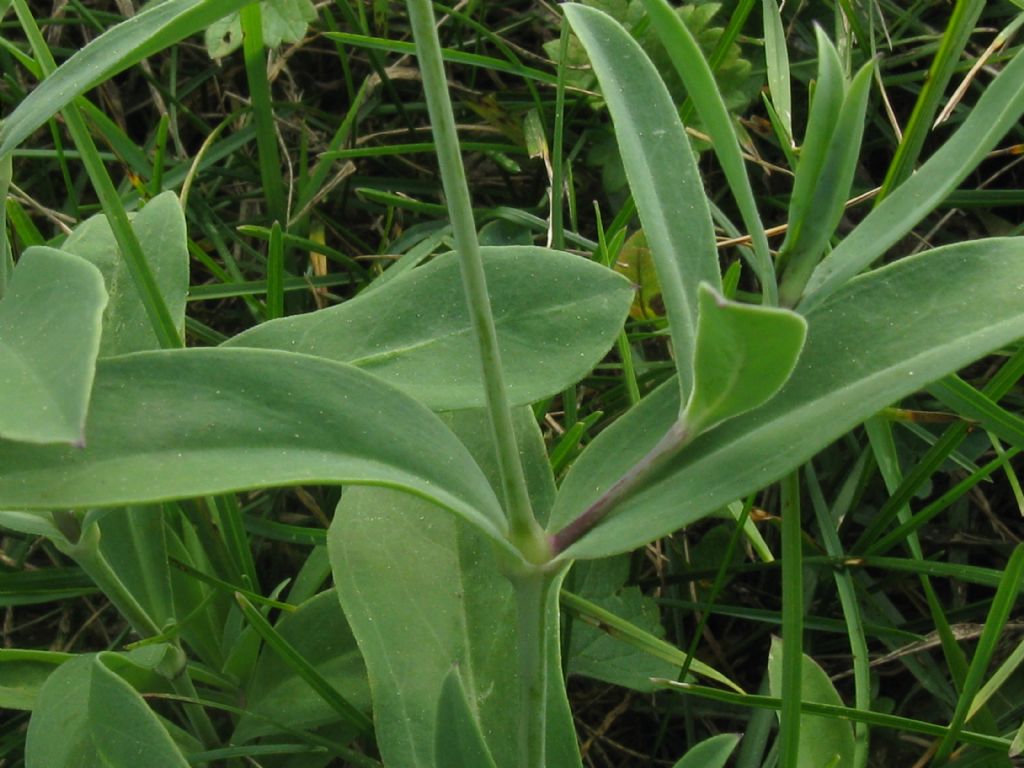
pixel 996 112
pixel 153 29
pixel 302 667
pixel 999 612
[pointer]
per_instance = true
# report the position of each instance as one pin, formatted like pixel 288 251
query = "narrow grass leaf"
pixel 303 667
pixel 885 335
pixel 326 651
pixel 822 739
pixel 999 612
pixel 961 26
pixel 662 173
pixel 997 111
pixel 275 273
pixel 974 405
pixel 457 736
pixel 894 722
pixel 193 422
pixel 415 332
pixel 450 55
pixel 777 63
pixel 153 29
pixel 710 753
pixel 743 356
pixel 627 632
pixel 699 80
pixel 50 324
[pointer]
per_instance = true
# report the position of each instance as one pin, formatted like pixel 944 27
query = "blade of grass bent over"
pixel 155 28
pixel 961 25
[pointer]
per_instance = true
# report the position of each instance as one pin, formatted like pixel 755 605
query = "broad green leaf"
pixel 192 422
pixel 23 674
pixel 662 173
pixel 457 736
pixel 160 227
pixel 880 338
pixel 87 716
pixel 153 29
pixel 998 109
pixel 744 355
pixel 319 632
pixel 49 339
pixel 710 753
pixel 828 193
pixel 422 593
pixel 824 741
pixel 685 52
pixel 284 21
pixel 415 333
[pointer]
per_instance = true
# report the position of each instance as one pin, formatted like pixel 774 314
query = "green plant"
pixel 414 396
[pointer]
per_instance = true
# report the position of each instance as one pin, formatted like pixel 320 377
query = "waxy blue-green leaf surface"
pixel 423 592
pixel 818 201
pixel 556 316
pixel 685 52
pixel 880 338
pixel 457 737
pixel 744 354
pixel 192 422
pixel 49 339
pixel 86 716
pixel 661 169
pixel 160 227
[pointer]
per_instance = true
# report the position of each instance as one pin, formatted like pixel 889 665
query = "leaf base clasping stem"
pixel 677 437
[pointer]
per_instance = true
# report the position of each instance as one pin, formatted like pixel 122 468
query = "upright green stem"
pixel 525 533
pixel 255 55
pixel 131 249
pixel 531 612
pixel 792 623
